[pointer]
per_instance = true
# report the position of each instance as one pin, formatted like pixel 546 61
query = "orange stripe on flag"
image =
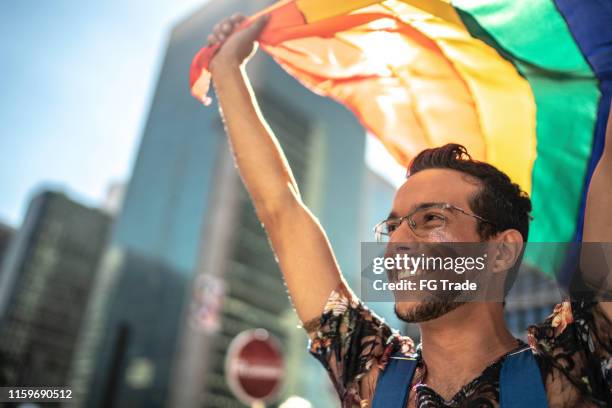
pixel 404 92
pixel 410 72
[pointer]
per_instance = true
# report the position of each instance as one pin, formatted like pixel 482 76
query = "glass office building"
pixel 187 224
pixel 44 288
pixel 6 233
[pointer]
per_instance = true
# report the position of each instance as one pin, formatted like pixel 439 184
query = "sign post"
pixel 254 367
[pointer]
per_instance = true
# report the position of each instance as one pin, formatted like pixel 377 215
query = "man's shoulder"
pixel 573 350
pixel 542 336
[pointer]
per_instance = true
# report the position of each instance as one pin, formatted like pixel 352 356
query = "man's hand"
pixel 237 46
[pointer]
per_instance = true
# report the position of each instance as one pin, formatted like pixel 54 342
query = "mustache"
pixel 421 250
pixel 412 261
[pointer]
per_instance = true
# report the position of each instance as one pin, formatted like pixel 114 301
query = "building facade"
pixel 187 234
pixel 44 287
pixel 6 234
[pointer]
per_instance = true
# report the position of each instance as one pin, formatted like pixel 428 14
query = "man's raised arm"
pixel 301 246
pixel 598 212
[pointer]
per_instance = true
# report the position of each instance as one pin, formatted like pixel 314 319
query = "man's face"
pixel 433 186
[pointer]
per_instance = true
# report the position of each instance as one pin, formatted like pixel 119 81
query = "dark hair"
pixel 499 200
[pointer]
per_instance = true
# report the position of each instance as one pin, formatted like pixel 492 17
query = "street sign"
pixel 254 367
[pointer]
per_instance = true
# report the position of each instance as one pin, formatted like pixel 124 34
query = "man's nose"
pixel 403 241
pixel 404 233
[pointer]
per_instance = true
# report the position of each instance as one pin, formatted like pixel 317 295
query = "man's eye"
pixel 391 226
pixel 433 217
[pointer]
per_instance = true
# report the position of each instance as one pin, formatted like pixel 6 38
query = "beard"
pixel 426 310
pixel 430 305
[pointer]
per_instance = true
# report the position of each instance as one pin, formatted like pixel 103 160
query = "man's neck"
pixel 458 346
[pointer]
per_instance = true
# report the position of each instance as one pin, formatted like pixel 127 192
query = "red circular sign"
pixel 254 366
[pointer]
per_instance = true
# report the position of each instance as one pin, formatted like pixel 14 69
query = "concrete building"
pixel 44 287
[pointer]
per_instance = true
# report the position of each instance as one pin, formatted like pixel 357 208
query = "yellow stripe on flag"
pixel 438 8
pixel 503 98
pixel 316 10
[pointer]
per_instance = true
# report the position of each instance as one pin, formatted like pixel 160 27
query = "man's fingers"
pixel 237 18
pixel 257 27
pixel 227 27
pixel 224 28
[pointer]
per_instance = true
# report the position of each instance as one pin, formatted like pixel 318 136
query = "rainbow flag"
pixel 524 84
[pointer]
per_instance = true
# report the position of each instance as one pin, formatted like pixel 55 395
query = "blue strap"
pixel 393 386
pixel 521 382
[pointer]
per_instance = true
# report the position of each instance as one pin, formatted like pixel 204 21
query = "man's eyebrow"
pixel 421 206
pixel 427 205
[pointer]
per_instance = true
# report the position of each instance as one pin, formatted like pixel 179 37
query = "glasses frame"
pixel 412 224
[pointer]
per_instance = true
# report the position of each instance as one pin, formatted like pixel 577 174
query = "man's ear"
pixel 508 248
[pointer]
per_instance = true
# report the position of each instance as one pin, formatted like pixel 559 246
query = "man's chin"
pixel 418 312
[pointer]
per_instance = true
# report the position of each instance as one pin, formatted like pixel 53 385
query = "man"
pixel 463 345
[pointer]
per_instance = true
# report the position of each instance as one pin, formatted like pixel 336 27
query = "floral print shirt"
pixel 573 348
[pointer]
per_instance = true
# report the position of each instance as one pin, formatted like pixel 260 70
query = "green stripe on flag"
pixel 535 37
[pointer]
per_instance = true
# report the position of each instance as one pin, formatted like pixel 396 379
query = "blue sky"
pixel 76 80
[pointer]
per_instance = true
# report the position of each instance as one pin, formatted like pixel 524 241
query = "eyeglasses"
pixel 423 221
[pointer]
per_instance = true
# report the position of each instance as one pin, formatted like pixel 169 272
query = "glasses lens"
pixel 427 220
pixel 383 230
pixel 379 232
pixel 391 225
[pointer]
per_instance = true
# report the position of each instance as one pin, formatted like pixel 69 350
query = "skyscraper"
pixel 6 233
pixel 44 287
pixel 187 224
